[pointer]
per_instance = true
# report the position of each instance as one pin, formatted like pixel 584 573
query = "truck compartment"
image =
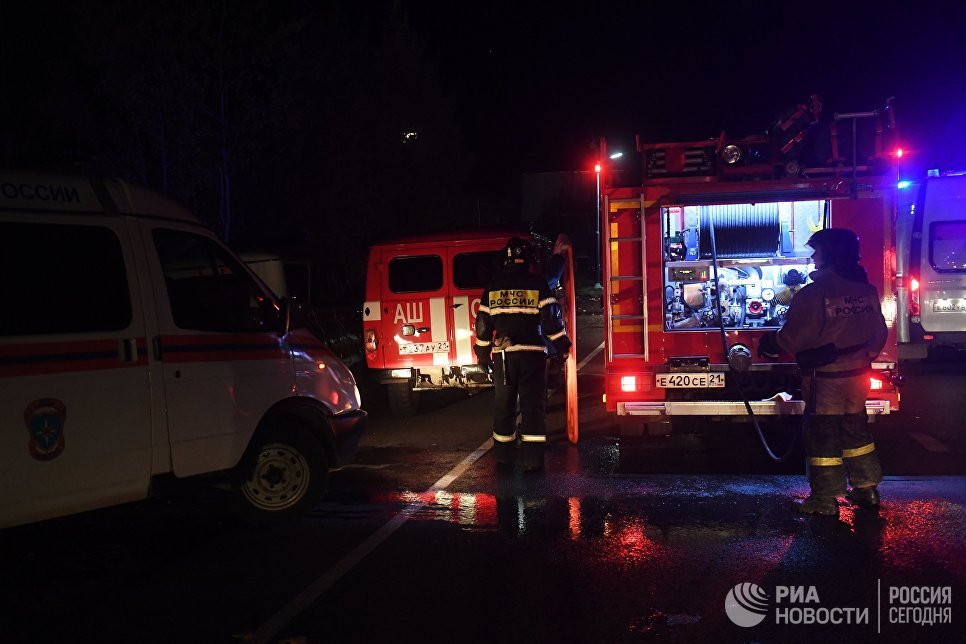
pixel 762 262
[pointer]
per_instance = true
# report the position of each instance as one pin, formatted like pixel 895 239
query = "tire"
pixel 282 477
pixel 403 401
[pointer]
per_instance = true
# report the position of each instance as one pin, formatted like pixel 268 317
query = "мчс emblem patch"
pixel 45 420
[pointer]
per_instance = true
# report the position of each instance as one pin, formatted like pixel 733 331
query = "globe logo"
pixel 746 605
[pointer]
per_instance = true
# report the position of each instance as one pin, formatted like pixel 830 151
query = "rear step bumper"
pixel 730 408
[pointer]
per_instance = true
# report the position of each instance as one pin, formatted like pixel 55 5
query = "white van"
pixel 134 345
pixel 931 262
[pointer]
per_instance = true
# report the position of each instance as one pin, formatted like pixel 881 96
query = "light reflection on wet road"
pixel 617 541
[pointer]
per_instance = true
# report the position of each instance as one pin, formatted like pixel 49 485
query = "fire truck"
pixel 419 317
pixel 705 256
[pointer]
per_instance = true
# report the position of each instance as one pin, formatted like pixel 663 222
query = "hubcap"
pixel 279 478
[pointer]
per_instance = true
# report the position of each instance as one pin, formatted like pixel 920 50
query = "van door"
pixel 942 290
pixel 472 268
pixel 415 310
pixel 223 362
pixel 75 407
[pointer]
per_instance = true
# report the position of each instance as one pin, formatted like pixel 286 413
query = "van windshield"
pixel 947 246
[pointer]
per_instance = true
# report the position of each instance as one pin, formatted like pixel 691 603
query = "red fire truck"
pixel 419 317
pixel 706 255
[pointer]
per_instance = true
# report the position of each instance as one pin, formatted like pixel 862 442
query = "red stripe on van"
pixel 177 349
pixel 40 358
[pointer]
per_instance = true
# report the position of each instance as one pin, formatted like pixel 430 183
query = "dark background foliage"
pixel 283 122
pixel 276 122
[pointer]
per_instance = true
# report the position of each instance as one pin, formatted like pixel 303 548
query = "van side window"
pixel 474 270
pixel 947 246
pixel 62 279
pixel 417 273
pixel 207 289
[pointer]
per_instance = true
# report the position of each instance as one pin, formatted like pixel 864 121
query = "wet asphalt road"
pixel 618 540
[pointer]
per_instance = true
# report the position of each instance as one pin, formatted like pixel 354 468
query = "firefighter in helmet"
pixel 835 328
pixel 517 315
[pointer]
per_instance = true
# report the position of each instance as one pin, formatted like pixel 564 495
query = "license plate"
pixel 423 347
pixel 690 380
pixel 949 306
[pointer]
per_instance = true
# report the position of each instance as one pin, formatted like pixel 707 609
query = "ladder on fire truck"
pixel 624 240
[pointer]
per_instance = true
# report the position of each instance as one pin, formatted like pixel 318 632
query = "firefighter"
pixel 835 329
pixel 517 314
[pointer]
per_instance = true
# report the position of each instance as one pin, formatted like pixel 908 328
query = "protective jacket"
pixel 517 311
pixel 838 311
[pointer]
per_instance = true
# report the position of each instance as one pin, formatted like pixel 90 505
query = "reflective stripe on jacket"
pixel 518 305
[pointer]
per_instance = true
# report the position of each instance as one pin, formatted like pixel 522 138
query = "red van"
pixel 419 317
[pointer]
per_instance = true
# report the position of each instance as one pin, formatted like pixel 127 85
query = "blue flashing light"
pixel 902 185
pixel 932 172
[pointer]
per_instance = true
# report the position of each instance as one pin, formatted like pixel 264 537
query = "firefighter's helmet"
pixel 519 252
pixel 838 245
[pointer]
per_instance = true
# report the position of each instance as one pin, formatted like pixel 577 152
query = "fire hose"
pixel 724 345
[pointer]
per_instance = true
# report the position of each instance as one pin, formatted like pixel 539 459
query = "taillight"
pixel 628 383
pixel 875 383
pixel 914 297
pixel 370 341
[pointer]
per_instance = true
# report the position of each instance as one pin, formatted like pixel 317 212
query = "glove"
pixel 560 359
pixel 768 346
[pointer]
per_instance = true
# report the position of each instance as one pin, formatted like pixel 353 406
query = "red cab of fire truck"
pixel 931 264
pixel 752 205
pixel 419 317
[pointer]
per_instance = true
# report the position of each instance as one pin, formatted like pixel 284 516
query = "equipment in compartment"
pixel 751 296
pixel 762 263
pixel 741 230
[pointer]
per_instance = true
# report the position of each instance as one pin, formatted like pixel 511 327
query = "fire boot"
pixel 532 451
pixel 503 448
pixel 824 465
pixel 858 452
pixel 864 497
pixel 824 505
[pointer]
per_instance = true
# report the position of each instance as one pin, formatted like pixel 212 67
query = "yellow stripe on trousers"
pixel 826 461
pixel 858 451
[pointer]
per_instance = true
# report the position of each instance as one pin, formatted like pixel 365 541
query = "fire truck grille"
pixel 757 385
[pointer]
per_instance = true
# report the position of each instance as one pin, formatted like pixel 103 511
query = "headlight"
pixel 731 154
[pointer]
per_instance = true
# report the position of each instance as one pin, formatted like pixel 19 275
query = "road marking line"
pixel 929 443
pixel 313 591
pixel 593 353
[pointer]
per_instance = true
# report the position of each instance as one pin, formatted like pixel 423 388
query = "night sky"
pixel 319 94
pixel 539 83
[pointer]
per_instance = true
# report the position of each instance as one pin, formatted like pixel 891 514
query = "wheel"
pixel 403 401
pixel 283 476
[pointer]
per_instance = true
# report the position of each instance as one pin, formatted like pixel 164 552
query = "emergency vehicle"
pixel 707 254
pixel 136 349
pixel 419 317
pixel 931 264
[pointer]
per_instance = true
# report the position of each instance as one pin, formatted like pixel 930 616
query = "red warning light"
pixel 597 168
pixel 899 153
